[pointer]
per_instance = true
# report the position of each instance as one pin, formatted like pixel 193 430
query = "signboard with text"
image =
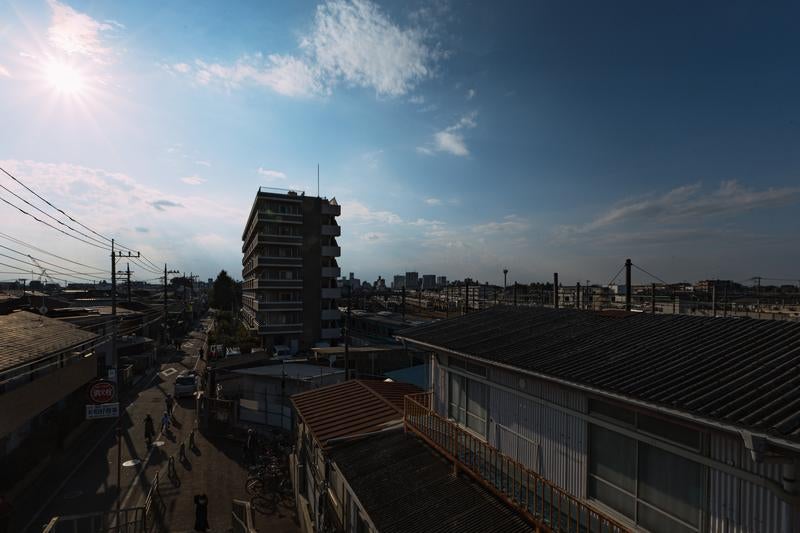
pixel 105 410
pixel 102 392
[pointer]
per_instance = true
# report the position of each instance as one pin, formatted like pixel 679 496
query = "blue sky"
pixel 459 137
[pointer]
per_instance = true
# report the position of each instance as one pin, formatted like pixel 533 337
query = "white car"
pixel 185 385
pixel 281 352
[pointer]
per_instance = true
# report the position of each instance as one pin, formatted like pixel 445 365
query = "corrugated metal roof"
pixel 405 486
pixel 26 337
pixel 743 372
pixel 351 408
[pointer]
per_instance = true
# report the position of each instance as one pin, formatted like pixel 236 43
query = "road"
pixel 88 483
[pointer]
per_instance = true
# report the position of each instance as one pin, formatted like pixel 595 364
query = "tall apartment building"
pixel 412 281
pixel 429 281
pixel 289 269
pixel 399 282
pixel 441 281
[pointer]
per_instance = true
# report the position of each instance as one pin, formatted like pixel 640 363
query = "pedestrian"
pixel 200 512
pixel 249 446
pixel 165 421
pixel 149 430
pixel 182 452
pixel 168 401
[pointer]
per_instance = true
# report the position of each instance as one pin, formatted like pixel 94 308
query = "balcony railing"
pixel 331 230
pixel 546 505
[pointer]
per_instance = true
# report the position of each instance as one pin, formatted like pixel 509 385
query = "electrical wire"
pixel 649 274
pixel 50 225
pixel 61 267
pixel 46 273
pixel 23 243
pixel 615 275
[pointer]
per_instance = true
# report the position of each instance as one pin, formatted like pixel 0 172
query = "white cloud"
pixel 451 139
pixel 470 94
pixel 77 33
pixel 374 236
pixel 203 163
pixel 4 72
pixel 509 223
pixel 426 222
pixel 271 176
pixel 351 42
pixel 433 201
pixel 193 180
pixel 162 204
pixel 685 204
pixel 417 99
pixel 355 211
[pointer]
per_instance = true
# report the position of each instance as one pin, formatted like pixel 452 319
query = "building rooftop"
pixel 292 370
pixel 27 337
pixel 351 408
pixel 740 372
pixel 406 486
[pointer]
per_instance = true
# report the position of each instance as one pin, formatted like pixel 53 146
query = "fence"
pixel 131 520
pixel 549 507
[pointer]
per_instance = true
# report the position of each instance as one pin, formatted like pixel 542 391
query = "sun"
pixel 64 78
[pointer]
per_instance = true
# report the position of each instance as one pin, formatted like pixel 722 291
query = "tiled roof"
pixel 351 408
pixel 743 372
pixel 405 486
pixel 26 337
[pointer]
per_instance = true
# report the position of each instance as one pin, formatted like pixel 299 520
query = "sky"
pixel 459 137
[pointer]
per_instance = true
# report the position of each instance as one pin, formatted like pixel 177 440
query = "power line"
pixel 615 275
pixel 50 225
pixel 51 216
pixel 651 275
pixel 90 274
pixel 46 273
pixel 23 243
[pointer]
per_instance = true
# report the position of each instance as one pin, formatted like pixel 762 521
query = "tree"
pixel 223 292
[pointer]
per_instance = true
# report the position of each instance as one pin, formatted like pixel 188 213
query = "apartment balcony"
pixel 331 230
pixel 331 293
pixel 278 284
pixel 331 314
pixel 549 507
pixel 330 333
pixel 277 329
pixel 331 251
pixel 331 272
pixel 261 305
pixel 269 260
pixel 331 209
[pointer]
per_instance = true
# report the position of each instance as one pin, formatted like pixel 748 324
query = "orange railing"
pixel 548 507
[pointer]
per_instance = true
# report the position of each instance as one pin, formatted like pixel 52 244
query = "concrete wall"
pixel 312 272
pixel 26 401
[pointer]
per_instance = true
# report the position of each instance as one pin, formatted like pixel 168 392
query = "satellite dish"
pixel 43 310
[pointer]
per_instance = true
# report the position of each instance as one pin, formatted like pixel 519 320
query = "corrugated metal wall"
pixel 544 439
pixel 439 377
pixel 736 505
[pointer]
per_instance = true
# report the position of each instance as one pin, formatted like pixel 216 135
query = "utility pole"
pixel 628 285
pixel 725 301
pixel 578 295
pixel 128 272
pixel 515 294
pixel 115 359
pixel 166 312
pixel 347 336
pixel 653 297
pixel 466 297
pixel 505 278
pixel 714 299
pixel 403 302
pixel 555 290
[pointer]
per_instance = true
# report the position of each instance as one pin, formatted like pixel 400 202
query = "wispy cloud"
pixel 77 33
pixel 433 201
pixel 4 72
pixel 374 236
pixel 509 223
pixel 142 229
pixel 271 176
pixel 203 163
pixel 162 205
pixel 686 204
pixel 470 94
pixel 193 180
pixel 354 43
pixel 451 139
pixel 355 211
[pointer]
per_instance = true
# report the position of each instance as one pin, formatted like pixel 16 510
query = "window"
pixel 467 405
pixel 658 490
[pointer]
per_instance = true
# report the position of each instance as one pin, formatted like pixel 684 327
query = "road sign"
pixel 102 392
pixel 106 410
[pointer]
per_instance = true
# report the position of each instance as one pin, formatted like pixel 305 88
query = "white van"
pixel 281 352
pixel 185 385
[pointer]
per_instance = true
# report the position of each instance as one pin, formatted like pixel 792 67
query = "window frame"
pixel 464 377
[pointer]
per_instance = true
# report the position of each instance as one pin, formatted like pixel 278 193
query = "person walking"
pixel 249 446
pixel 168 402
pixel 165 422
pixel 149 430
pixel 200 512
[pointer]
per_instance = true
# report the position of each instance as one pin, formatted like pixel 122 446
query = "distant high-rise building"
pixel 412 280
pixel 289 292
pixel 441 281
pixel 428 281
pixel 399 282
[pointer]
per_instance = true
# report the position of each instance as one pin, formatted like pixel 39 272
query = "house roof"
pixel 406 486
pixel 351 408
pixel 741 372
pixel 26 337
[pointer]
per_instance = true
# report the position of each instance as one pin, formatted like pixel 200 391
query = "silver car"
pixel 185 385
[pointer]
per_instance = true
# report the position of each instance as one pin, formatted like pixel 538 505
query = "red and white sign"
pixel 102 392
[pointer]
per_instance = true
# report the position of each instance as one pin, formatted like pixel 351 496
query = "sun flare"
pixel 64 78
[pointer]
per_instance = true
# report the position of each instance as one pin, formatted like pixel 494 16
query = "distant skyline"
pixel 459 137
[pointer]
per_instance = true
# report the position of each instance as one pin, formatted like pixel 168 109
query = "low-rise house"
pixel 44 366
pixel 662 423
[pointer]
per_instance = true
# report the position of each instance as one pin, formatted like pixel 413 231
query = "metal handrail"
pixel 544 504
